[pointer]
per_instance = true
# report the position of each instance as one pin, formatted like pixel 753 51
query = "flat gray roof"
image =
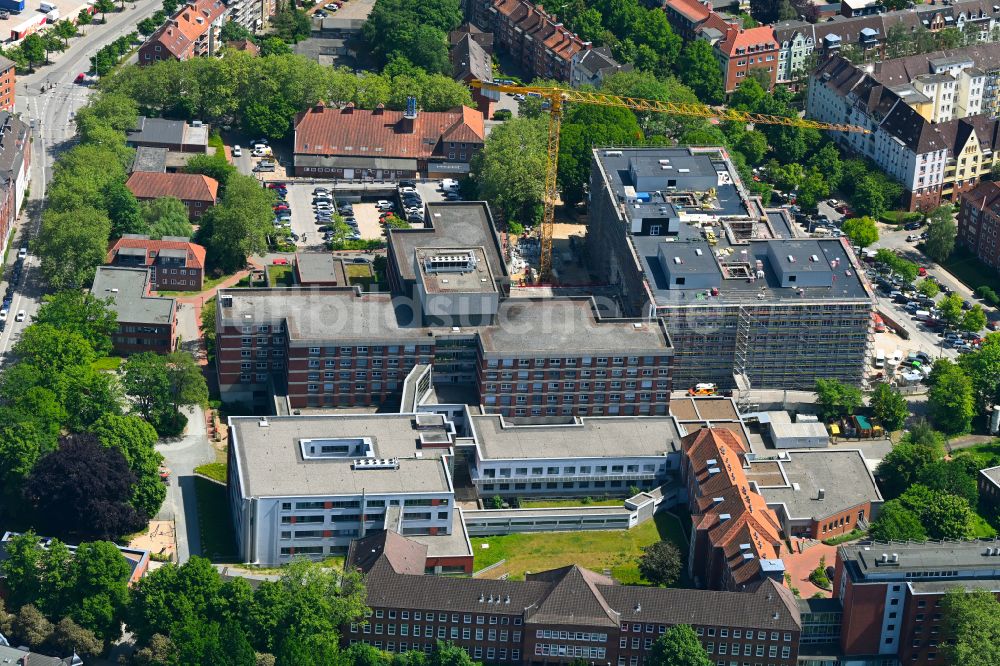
pixel 126 287
pixel 843 475
pixel 479 277
pixel 148 158
pixel 525 325
pixel 336 313
pixel 541 325
pixel 597 437
pixel 320 267
pixel 992 473
pixel 452 224
pixel 925 556
pixel 271 463
pixel 699 256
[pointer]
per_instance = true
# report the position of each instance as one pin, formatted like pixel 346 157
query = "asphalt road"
pixel 48 99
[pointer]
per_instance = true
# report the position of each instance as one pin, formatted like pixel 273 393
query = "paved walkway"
pixel 800 565
pixel 198 299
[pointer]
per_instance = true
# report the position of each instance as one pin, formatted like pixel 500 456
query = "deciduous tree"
pixel 941 233
pixel 660 563
pixel 900 467
pixel 973 619
pixel 239 225
pixel 166 216
pixel 700 70
pixel 83 490
pixel 71 245
pixel 897 523
pixel 511 169
pixel 889 407
pixel 81 313
pixel 678 646
pixel 837 399
pixel 861 230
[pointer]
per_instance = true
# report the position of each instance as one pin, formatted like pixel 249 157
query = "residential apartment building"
pixel 745 301
pixel 146 323
pixel 741 52
pixel 198 192
pixel 935 162
pixel 339 347
pixel 471 61
pixel 15 171
pixel 251 14
pixel 8 80
pixel 591 67
pixel 535 39
pixel 380 144
pixel 192 32
pixel 175 263
pixel 892 596
pixel 860 25
pixel 566 614
pixel 979 222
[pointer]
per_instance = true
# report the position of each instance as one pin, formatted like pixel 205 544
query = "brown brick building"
pixel 567 614
pixel 8 79
pixel 892 595
pixel 542 45
pixel 175 263
pixel 146 323
pixel 979 222
pixel 192 32
pixel 338 347
pixel 736 541
pixel 198 192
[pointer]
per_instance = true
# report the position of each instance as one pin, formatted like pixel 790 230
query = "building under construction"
pixel 747 302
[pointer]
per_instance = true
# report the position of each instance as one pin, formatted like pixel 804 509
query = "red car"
pixel 280 261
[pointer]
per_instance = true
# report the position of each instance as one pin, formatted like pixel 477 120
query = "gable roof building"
pixel 606 622
pixel 354 143
pixel 915 136
pixel 736 542
pixel 192 32
pixel 175 262
pixel 145 322
pixel 197 191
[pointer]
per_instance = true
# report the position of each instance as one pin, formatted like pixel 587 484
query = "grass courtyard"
pixel 617 550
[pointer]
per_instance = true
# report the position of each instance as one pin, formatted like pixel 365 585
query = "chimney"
pixel 379 109
pixel 407 123
pixel 822 494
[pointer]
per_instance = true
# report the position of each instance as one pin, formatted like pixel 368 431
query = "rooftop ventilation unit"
pixel 813 257
pixel 724 517
pixel 698 251
pixel 677 260
pixel 464 262
pixel 791 259
pixel 612 153
pixel 263 423
pixel 375 463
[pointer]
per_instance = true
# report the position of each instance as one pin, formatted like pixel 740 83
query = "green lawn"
pixel 964 266
pixel 547 504
pixel 215 524
pixel 281 276
pixel 107 363
pixel 215 470
pixel 617 550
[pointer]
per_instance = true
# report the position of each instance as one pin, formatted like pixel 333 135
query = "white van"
pixel 449 184
pixel 880 359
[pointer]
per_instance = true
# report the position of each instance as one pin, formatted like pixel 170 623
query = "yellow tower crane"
pixel 558 97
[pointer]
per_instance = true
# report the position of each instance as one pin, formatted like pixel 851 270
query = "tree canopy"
pixel 972 617
pixel 511 170
pixel 661 563
pixel 678 646
pixel 837 399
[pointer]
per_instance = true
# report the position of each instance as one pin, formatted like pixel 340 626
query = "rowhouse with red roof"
pixel 379 144
pixel 742 51
pixel 198 192
pixel 175 263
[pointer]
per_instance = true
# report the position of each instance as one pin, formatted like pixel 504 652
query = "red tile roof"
pixel 732 513
pixel 534 21
pixel 691 9
pixel 382 133
pixel 195 252
pixel 183 29
pixel 736 38
pixel 183 186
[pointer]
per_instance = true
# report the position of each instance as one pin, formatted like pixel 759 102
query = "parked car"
pixel 237 151
pixel 912 226
pixel 23 252
pixel 20 316
pixel 280 261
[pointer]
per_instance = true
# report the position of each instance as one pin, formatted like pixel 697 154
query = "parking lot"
pixel 303 220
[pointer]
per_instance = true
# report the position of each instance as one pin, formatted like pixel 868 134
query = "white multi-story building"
pixel 588 456
pixel 916 134
pixel 309 485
